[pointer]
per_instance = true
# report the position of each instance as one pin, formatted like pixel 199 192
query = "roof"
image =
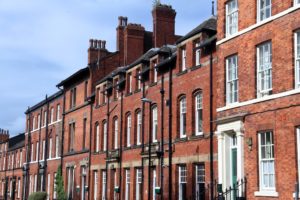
pixel 111 75
pixel 145 57
pixel 73 76
pixel 46 100
pixel 207 42
pixel 16 142
pixel 209 24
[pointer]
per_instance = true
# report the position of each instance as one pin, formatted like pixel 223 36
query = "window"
pixel 127 184
pixel 95 185
pixel 198 113
pixel 182 182
pixel 153 183
pixel 21 158
pixel 297 58
pixel 48 186
pixel 138 127
pixel 264 69
pixel 52 115
pixel 35 183
pixel 37 151
pixel 183 59
pixel 138 79
pixel 10 188
pixel 197 53
pixel 298 153
pixel 129 83
pixel 264 9
pixel 45 118
pixel 56 146
pixel 104 136
pixel 39 121
pixel 154 124
pixel 232 79
pixel 71 136
pixel 200 181
pixel 97 130
pixel 33 123
pixel 104 94
pixel 50 148
pixel 103 185
pixel 85 90
pixel 231 17
pixel 70 187
pixel 116 135
pixel 32 150
pixel 54 186
pixel 73 98
pixel 297 2
pixel 266 161
pixel 44 148
pixel 154 72
pixel 138 184
pixel 128 131
pixel 19 188
pixel 98 96
pixel 30 184
pixel 182 117
pixel 84 133
pixel 58 112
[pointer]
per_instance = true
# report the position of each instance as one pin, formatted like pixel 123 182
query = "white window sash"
pixel 264 69
pixel 298 154
pixel 56 146
pixel 50 148
pixel 48 186
pixel 138 128
pixel 104 136
pixel 52 115
pixel 128 130
pixel 154 124
pixel 103 184
pixel 127 185
pixel 297 58
pixel 58 113
pixel 97 137
pixel 44 148
pixel 198 108
pixel 232 79
pixel 116 133
pixel 183 62
pixel 182 117
pixel 54 186
pixel 37 151
pixel 231 18
pixel 263 9
pixel 154 184
pixel 197 54
pixel 95 185
pixel 182 180
pixel 138 184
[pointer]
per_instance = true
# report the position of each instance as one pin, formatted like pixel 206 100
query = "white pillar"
pixel 240 157
pixel 220 157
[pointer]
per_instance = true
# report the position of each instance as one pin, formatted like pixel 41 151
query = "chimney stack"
pixel 163 25
pixel 97 50
pixel 4 135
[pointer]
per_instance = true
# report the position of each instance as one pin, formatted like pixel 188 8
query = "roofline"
pixel 79 72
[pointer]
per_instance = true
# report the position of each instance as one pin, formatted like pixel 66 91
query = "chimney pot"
pixel 99 44
pixel 103 44
pixel 91 43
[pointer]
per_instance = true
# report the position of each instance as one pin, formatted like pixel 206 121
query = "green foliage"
pixel 59 181
pixel 38 196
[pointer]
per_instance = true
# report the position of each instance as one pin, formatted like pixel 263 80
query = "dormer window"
pixel 98 96
pixel 116 92
pixel 104 94
pixel 138 79
pixel 197 53
pixel 129 83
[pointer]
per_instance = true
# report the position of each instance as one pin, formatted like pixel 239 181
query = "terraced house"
pixel 213 114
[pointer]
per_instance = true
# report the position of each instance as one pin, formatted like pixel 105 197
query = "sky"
pixel 44 41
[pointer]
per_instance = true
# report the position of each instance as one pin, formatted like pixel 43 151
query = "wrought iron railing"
pixel 236 192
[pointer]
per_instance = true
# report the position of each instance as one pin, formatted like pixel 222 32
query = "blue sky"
pixel 43 42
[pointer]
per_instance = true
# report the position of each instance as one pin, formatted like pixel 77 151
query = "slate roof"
pixel 209 24
pixel 16 142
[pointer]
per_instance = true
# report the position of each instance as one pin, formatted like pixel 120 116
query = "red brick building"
pixel 258 97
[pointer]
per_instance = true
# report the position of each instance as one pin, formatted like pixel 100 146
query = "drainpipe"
pixel 107 129
pixel 90 145
pixel 162 92
pixel 28 158
pixel 63 132
pixel 211 125
pixel 120 148
pixel 38 157
pixel 149 153
pixel 143 133
pixel 170 132
pixel 46 147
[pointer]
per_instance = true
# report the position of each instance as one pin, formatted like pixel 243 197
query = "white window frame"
pixel 263 161
pixel 130 83
pixel 138 184
pixel 33 123
pixel 58 112
pixel 39 121
pixel 19 188
pixel 154 124
pixel 199 176
pixel 37 151
pixel 95 185
pixel 198 110
pixel 155 73
pixel 139 127
pixel 232 17
pixel 116 131
pixel 297 58
pixel 183 58
pixel 35 183
pixel 103 185
pixel 50 148
pixel 45 118
pixel 264 69
pixel 197 54
pixel 154 181
pixel 298 154
pixel 71 174
pixel 127 184
pixel 297 2
pixel 21 158
pixel 52 115
pixel 182 180
pixel 56 146
pixel 263 9
pixel 97 148
pixel 32 151
pixel 128 131
pixel 182 117
pixel 104 136
pixel 232 80
pixel 48 186
pixel 10 188
pixel 44 149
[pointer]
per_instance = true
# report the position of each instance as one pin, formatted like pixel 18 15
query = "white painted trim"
pixel 258 24
pixel 32 131
pixel 259 100
pixel 50 159
pixel 266 193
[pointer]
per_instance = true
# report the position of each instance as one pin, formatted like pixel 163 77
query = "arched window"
pixel 128 129
pixel 97 137
pixel 198 98
pixel 154 124
pixel 138 127
pixel 182 116
pixel 116 133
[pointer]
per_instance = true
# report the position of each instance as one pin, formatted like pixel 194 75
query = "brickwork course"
pixel 213 114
